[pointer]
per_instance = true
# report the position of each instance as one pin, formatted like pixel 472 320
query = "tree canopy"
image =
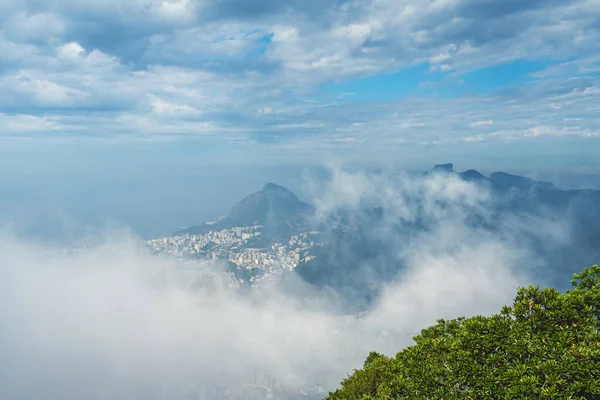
pixel 545 346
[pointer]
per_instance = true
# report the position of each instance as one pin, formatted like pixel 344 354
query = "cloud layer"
pixel 256 73
pixel 108 320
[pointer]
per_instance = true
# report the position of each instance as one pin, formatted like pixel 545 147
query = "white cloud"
pixel 42 91
pixel 24 26
pixel 445 55
pixel 101 316
pixel 23 125
pixel 70 50
pixel 481 123
pixel 160 106
pixel 473 139
pixel 176 9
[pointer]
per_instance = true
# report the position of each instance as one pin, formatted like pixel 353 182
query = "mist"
pixel 110 322
pixel 61 191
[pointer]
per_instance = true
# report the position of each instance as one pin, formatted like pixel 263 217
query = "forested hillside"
pixel 546 345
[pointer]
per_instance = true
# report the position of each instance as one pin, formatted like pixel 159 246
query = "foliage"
pixel 545 346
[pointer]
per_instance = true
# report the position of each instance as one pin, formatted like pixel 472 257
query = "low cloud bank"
pixel 108 323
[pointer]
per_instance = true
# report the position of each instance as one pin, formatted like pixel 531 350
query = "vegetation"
pixel 545 346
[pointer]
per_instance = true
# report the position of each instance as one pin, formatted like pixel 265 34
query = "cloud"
pixel 481 123
pixel 159 106
pixel 148 63
pixel 38 27
pixel 113 320
pixel 337 37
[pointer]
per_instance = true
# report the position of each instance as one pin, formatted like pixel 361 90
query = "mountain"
pixel 361 253
pixel 276 208
pixel 447 168
pixel 502 179
pixel 473 176
pixel 359 249
pixel 273 204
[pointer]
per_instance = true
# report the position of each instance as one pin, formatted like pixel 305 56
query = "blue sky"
pixel 104 87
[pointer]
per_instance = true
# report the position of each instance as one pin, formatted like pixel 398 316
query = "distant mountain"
pixel 448 168
pixel 361 253
pixel 502 179
pixel 275 207
pixel 473 176
pixel 360 249
pixel 273 204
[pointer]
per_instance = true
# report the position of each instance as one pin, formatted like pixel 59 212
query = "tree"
pixel 545 346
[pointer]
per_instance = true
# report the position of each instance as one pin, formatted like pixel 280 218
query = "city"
pixel 244 248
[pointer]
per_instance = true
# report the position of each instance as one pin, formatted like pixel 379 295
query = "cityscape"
pixel 244 248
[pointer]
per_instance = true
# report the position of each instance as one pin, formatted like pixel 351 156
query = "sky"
pixel 159 91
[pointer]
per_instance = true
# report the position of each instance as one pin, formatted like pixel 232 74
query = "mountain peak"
pixel 472 175
pixel 448 168
pixel 272 189
pixel 273 186
pixel 274 205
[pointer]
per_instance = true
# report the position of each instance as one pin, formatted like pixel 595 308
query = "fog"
pixel 106 322
pixel 62 190
pixel 155 202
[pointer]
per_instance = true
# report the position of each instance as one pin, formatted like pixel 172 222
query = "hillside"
pixel 545 346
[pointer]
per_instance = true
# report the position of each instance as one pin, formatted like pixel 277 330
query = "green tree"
pixel 545 346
